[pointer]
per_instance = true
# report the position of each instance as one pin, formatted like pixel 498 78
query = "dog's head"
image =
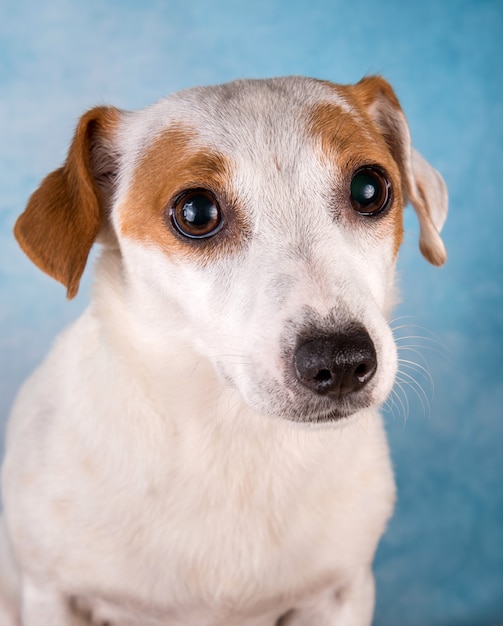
pixel 267 215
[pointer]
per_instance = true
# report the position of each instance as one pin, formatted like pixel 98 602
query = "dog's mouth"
pixel 314 411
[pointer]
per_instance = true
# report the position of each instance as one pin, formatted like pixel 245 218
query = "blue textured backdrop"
pixel 441 562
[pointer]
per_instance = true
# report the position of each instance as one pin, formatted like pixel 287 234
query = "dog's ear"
pixel 64 215
pixel 423 186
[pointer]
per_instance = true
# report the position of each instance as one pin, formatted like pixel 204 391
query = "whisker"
pixel 412 342
pixel 401 406
pixel 415 352
pixel 390 405
pixel 425 335
pixel 417 388
pixel 420 369
pixel 405 400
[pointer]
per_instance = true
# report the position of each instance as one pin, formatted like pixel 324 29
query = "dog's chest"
pixel 252 532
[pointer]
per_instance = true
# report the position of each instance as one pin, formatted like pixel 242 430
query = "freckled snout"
pixel 336 364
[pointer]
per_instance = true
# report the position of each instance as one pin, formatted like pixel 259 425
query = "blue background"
pixel 441 561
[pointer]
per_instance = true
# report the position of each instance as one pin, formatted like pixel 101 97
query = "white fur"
pixel 152 476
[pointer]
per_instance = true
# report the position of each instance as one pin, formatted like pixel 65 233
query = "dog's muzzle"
pixel 336 365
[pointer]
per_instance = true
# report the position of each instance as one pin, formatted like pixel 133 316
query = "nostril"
pixel 361 370
pixel 323 376
pixel 336 364
pixel 365 370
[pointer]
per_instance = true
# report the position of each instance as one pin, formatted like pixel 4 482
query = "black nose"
pixel 336 364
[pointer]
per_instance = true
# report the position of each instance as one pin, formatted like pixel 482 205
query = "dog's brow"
pixel 174 162
pixel 347 139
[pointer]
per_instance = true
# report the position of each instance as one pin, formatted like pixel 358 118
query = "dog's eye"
pixel 196 214
pixel 370 191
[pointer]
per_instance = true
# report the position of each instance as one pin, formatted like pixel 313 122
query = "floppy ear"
pixel 64 215
pixel 423 186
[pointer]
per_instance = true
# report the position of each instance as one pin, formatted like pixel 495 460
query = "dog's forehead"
pixel 249 102
pixel 245 114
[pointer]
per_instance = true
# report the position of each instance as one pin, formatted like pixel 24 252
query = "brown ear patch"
pixel 372 88
pixel 174 163
pixel 63 216
pixel 350 140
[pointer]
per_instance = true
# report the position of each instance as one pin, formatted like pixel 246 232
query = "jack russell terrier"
pixel 203 446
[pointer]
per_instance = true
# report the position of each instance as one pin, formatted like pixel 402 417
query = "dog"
pixel 203 446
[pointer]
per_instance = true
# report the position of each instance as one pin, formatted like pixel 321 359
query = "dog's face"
pixel 266 218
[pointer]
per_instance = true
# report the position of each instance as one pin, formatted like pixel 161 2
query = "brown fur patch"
pixel 63 216
pixel 171 165
pixel 351 140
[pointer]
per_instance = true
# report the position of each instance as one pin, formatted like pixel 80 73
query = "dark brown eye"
pixel 196 214
pixel 370 191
